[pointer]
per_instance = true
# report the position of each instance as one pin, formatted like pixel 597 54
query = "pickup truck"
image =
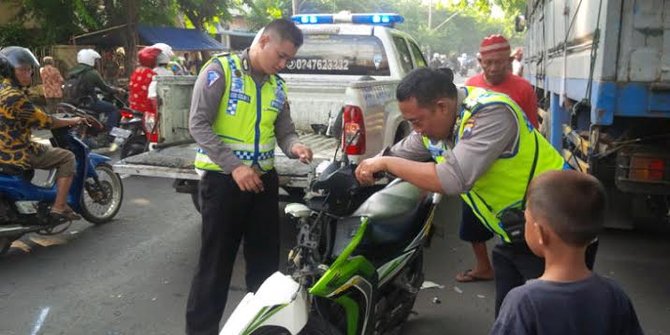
pixel 341 92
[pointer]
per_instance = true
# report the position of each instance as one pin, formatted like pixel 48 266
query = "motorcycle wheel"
pixel 99 208
pixel 314 326
pixel 133 146
pixel 415 280
pixel 318 326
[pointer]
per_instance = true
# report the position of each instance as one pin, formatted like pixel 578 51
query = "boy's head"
pixel 563 207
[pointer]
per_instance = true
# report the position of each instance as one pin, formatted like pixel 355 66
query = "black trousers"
pixel 514 264
pixel 228 217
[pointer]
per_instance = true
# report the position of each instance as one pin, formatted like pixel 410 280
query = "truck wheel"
pixel 195 197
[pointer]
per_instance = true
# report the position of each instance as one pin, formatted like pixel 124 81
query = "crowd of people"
pixel 479 141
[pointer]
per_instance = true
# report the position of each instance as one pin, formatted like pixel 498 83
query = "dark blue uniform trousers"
pixel 230 216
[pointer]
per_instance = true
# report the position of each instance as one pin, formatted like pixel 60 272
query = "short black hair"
pixel 426 85
pixel 286 30
pixel 572 203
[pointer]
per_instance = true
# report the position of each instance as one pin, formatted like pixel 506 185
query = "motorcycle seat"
pixel 394 214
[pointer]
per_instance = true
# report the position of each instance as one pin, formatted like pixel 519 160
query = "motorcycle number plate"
pixel 120 132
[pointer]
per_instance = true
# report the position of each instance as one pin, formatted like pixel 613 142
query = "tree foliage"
pixel 462 33
pixel 472 19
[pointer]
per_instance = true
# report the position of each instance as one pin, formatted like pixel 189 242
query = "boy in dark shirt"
pixel 565 211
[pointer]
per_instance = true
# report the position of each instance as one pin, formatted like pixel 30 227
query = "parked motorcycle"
pixel 96 192
pixel 99 136
pixel 130 135
pixel 357 265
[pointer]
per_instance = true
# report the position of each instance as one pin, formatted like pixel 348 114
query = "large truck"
pixel 601 70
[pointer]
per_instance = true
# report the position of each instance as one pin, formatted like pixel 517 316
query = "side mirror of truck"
pixel 520 23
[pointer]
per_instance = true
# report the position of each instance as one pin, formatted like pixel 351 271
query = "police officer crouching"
pixel 481 146
pixel 239 110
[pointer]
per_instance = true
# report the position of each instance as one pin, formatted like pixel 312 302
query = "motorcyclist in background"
pixel 163 60
pixel 18 116
pixel 89 80
pixel 141 79
pixel 162 67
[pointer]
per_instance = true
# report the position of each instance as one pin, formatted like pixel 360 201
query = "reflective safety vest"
pixel 247 113
pixel 504 184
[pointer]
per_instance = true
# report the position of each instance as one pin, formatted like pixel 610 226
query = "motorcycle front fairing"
pixel 280 301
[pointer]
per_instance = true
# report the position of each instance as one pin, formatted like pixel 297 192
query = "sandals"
pixel 65 216
pixel 467 276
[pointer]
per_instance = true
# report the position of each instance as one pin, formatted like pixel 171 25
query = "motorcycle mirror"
pixel 345 157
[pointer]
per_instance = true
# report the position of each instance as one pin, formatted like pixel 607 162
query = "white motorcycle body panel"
pixel 280 301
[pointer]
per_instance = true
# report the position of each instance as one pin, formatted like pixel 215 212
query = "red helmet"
pixel 147 56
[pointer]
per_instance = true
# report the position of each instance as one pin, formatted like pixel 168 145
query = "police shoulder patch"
pixel 468 128
pixel 212 77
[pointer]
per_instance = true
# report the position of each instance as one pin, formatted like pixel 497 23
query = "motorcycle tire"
pixel 111 200
pixel 133 146
pixel 315 326
pixel 415 281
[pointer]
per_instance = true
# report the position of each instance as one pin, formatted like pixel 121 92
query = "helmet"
pixel 166 49
pixel 147 56
pixel 162 59
pixel 87 56
pixel 18 56
pixel 13 57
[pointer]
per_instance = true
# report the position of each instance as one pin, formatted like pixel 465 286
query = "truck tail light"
pixel 353 130
pixel 150 128
pixel 644 168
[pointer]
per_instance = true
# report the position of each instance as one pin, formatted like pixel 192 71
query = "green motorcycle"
pixel 357 266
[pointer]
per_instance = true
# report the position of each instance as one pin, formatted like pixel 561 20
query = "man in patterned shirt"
pixel 52 83
pixel 18 116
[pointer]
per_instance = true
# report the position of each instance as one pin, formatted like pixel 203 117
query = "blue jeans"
pixel 112 113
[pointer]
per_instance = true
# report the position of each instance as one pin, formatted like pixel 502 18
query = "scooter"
pixel 98 136
pixel 357 265
pixel 130 135
pixel 96 192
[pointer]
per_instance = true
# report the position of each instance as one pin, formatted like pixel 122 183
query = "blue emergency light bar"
pixel 383 19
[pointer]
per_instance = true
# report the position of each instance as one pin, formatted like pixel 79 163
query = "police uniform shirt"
pixel 491 133
pixel 207 94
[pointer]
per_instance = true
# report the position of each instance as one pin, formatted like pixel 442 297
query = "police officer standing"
pixel 493 154
pixel 238 111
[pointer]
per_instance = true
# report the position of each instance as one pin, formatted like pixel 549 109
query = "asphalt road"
pixel 132 276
